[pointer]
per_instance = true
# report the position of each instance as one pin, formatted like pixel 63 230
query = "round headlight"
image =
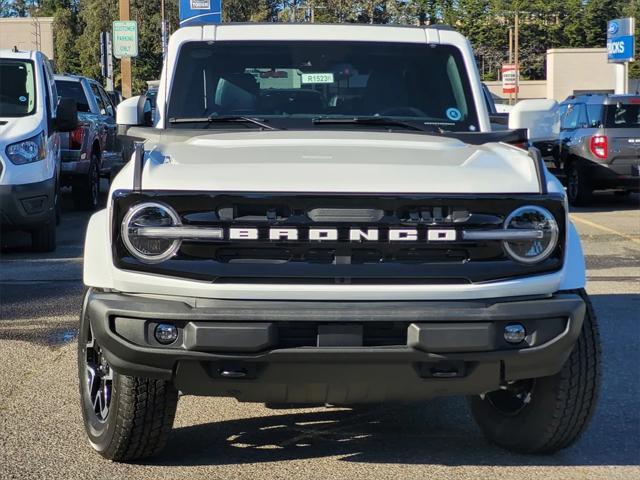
pixel 537 247
pixel 149 248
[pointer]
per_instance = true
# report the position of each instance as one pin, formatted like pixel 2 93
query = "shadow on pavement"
pixel 610 202
pixel 440 431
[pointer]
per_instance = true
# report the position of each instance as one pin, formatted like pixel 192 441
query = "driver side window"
pixel 96 93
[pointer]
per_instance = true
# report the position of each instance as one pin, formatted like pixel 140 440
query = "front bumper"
pixel 261 351
pixel 26 206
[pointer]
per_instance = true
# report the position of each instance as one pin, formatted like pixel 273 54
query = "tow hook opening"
pixel 444 369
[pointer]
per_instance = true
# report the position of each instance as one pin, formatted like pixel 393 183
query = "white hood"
pixel 324 161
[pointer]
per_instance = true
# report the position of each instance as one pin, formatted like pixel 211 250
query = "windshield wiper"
pixel 223 119
pixel 382 121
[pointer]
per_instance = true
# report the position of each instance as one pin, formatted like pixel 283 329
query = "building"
pixel 27 33
pixel 569 71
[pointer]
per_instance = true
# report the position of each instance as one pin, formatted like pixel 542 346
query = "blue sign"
pixel 199 12
pixel 621 40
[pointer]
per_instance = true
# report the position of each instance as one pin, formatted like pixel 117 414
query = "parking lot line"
pixel 604 229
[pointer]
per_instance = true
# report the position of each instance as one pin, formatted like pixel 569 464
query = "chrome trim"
pixel 179 233
pixel 502 234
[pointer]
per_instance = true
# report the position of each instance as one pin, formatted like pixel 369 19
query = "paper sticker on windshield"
pixel 317 78
pixel 453 114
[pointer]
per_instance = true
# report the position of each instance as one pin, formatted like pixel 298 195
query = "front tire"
pixel 544 415
pixel 126 418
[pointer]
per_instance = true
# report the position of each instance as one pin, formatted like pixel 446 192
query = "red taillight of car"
pixel 599 146
pixel 76 138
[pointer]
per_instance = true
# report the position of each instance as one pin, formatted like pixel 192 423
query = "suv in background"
pixel 599 144
pixel 93 148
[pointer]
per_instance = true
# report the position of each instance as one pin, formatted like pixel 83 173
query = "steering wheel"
pixel 403 111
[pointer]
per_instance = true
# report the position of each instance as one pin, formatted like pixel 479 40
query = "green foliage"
pixel 65 33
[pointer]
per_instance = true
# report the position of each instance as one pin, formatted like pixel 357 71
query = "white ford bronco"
pixel 321 214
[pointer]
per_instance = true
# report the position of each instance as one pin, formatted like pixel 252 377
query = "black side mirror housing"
pixel 66 115
pixel 145 111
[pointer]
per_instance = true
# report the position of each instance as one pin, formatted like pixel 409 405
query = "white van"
pixel 31 116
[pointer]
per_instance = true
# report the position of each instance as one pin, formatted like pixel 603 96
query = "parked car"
pixel 90 151
pixel 599 144
pixel 32 116
pixel 331 244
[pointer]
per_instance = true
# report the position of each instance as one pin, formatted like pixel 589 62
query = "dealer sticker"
pixel 317 78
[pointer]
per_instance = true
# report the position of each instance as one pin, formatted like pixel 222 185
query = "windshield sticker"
pixel 453 114
pixel 317 78
pixel 22 98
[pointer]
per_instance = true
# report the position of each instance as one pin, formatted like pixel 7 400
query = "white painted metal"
pixel 367 162
pixel 321 161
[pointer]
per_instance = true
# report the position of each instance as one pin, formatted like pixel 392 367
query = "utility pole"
pixel 125 63
pixel 517 54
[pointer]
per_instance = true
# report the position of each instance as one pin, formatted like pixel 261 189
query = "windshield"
pixel 290 84
pixel 17 88
pixel 622 115
pixel 71 89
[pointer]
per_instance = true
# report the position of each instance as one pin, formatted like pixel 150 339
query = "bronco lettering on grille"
pixel 333 234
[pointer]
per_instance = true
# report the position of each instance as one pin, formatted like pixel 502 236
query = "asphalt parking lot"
pixel 41 434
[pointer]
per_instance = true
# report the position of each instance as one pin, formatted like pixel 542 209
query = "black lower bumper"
pixel 26 206
pixel 622 175
pixel 335 352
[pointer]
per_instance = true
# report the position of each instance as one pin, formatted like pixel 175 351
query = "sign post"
pixel 621 49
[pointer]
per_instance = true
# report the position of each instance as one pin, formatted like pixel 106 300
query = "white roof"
pixel 19 55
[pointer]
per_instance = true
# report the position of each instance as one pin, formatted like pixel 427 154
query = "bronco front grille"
pixel 339 261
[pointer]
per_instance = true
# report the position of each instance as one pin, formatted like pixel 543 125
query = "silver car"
pixel 599 144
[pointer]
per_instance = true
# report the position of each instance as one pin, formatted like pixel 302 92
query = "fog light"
pixel 166 333
pixel 514 333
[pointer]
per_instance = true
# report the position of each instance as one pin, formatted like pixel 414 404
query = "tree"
pixel 65 34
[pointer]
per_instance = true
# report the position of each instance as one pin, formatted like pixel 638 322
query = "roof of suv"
pixel 69 77
pixel 600 98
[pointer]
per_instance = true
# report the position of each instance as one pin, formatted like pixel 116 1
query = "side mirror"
pixel 66 115
pixel 134 111
pixel 539 117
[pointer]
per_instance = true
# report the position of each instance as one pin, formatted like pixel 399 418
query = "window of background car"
pixel 72 89
pixel 17 88
pixel 96 94
pixel 575 117
pixel 622 115
pixel 305 80
pixel 594 114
